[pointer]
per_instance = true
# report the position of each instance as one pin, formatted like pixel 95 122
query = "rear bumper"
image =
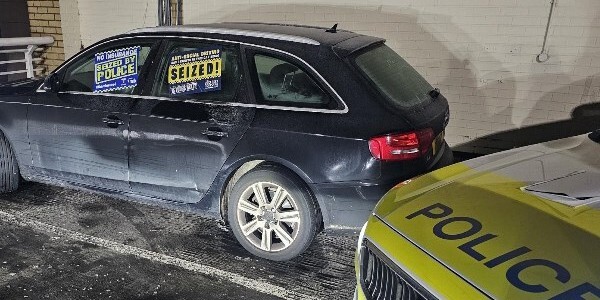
pixel 346 206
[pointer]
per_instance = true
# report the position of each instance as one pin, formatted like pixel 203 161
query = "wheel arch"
pixel 11 144
pixel 244 165
pixel 14 125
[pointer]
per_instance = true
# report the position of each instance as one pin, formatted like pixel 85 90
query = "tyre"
pixel 9 169
pixel 272 213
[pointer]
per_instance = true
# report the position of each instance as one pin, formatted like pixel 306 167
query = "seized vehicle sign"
pixel 195 71
pixel 116 69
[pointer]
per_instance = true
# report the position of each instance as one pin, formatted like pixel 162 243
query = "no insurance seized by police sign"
pixel 116 69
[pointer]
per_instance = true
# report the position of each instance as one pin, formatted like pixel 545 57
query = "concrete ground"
pixel 59 243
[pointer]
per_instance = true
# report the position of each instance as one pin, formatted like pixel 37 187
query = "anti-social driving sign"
pixel 195 71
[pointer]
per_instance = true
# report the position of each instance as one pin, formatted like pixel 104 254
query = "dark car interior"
pixel 283 82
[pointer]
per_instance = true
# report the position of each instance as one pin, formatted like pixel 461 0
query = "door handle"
pixel 112 121
pixel 215 133
pixel 219 122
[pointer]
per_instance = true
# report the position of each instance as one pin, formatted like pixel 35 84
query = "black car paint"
pixel 164 152
pixel 178 148
pixel 595 136
pixel 69 140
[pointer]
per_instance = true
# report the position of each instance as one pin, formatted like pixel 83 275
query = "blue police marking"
pixel 506 257
pixel 475 227
pixel 116 69
pixel 468 246
pixel 512 275
pixel 442 213
pixel 578 292
pixel 434 211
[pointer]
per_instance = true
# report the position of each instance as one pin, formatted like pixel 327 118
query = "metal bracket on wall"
pixel 164 12
pixel 179 15
pixel 543 56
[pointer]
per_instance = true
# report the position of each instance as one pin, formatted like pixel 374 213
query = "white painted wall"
pixel 481 53
pixel 70 25
pixel 98 19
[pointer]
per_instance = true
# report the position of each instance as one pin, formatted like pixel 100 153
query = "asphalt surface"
pixel 61 243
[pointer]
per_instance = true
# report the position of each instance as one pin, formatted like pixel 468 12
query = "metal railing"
pixel 28 46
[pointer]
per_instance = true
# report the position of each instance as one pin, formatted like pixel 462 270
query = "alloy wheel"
pixel 268 216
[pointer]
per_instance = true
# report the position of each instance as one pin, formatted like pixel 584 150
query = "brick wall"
pixel 481 53
pixel 45 20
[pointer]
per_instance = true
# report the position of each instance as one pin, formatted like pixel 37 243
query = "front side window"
pixel 198 71
pixel 393 76
pixel 283 83
pixel 114 70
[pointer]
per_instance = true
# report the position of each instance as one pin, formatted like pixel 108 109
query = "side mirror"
pixel 52 83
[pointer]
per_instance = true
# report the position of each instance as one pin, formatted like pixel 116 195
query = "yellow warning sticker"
pixel 195 71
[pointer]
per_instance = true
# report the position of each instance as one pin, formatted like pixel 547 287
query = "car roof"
pixel 311 35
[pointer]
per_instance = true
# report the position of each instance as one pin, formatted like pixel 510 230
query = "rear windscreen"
pixel 393 76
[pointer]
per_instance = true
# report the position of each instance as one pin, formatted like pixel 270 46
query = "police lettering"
pixel 115 69
pixel 471 227
pixel 512 275
pixel 577 292
pixel 474 227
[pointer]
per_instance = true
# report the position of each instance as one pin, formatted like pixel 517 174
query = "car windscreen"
pixel 393 76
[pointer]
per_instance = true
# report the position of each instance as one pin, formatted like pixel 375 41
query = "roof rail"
pixel 227 31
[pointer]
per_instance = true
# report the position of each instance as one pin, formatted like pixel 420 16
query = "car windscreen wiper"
pixel 434 93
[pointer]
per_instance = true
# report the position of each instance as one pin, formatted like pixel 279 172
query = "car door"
pixel 182 132
pixel 79 133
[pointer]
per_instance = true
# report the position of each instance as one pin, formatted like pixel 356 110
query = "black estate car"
pixel 281 130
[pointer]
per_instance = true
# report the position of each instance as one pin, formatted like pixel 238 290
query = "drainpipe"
pixel 179 17
pixel 164 12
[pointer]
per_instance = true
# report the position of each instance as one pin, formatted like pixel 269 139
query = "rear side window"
pixel 284 83
pixel 199 71
pixel 393 76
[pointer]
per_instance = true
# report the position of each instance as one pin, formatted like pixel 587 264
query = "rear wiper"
pixel 434 93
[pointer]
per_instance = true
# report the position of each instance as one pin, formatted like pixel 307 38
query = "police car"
pixel 521 224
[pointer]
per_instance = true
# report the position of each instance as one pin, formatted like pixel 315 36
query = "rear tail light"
pixel 401 146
